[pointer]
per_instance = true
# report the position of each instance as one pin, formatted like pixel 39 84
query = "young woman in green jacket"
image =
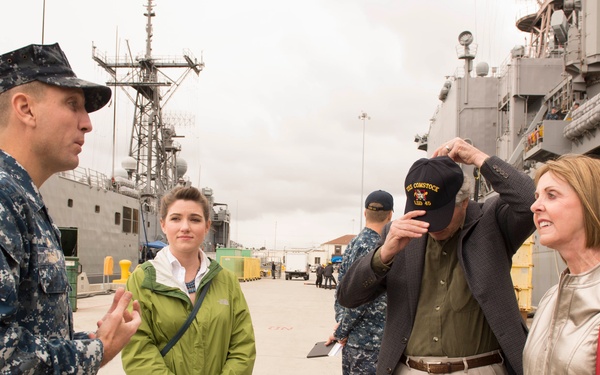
pixel 220 339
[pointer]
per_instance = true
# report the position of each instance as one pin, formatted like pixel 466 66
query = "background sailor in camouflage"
pixel 43 121
pixel 361 329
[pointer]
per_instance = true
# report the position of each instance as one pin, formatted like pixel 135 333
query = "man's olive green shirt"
pixel 449 321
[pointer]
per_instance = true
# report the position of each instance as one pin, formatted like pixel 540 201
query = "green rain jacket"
pixel 219 341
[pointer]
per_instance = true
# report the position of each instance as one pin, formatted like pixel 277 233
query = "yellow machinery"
pixel 522 273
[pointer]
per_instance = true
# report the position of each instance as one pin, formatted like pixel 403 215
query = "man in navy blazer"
pixel 445 266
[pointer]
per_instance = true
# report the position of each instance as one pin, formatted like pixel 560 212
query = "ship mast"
pixel 152 143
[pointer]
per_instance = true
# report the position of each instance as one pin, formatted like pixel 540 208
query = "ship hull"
pixel 93 222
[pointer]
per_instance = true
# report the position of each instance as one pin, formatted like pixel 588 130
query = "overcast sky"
pixel 275 131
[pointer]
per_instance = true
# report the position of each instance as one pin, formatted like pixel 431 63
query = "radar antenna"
pixel 151 144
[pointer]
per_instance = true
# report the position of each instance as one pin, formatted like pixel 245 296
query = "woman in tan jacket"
pixel 564 333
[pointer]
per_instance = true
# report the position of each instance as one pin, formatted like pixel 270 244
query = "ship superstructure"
pixel 118 216
pixel 508 112
pixel 152 165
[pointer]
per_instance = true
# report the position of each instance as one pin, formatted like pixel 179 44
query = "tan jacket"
pixel 564 334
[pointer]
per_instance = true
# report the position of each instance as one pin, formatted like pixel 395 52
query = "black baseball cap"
pixel 432 185
pixel 47 63
pixel 384 198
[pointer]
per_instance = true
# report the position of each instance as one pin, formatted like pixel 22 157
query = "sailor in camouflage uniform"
pixel 361 328
pixel 43 120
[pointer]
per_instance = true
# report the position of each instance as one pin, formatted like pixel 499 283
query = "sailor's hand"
pixel 402 231
pixel 331 339
pixel 118 325
pixel 460 151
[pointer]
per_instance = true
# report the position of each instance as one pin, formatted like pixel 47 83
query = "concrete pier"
pixel 289 316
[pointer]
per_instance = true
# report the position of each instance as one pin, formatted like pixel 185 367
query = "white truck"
pixel 296 265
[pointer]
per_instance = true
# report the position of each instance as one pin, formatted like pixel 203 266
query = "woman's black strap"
pixel 189 320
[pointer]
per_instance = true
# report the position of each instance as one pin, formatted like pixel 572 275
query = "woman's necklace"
pixel 191 286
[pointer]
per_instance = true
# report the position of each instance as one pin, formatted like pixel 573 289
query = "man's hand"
pixel 402 230
pixel 118 325
pixel 333 339
pixel 462 152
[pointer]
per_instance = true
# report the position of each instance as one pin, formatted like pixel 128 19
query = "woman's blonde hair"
pixel 582 173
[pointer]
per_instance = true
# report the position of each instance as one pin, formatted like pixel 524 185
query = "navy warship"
pixel 540 103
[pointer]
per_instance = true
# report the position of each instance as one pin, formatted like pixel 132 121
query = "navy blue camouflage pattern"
pixel 36 321
pixel 48 64
pixel 363 326
pixel 359 361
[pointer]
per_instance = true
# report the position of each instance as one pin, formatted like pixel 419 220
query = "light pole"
pixel 43 19
pixel 364 117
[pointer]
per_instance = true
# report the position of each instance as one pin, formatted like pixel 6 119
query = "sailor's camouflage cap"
pixel 48 64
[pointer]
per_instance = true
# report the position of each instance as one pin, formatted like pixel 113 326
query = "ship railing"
pixel 517 52
pixel 484 189
pixel 77 175
pixel 527 8
pixel 87 177
pixel 546 141
pixel 132 61
pixel 535 137
pixel 100 181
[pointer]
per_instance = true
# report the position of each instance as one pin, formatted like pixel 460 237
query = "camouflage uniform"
pixel 36 321
pixel 363 326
